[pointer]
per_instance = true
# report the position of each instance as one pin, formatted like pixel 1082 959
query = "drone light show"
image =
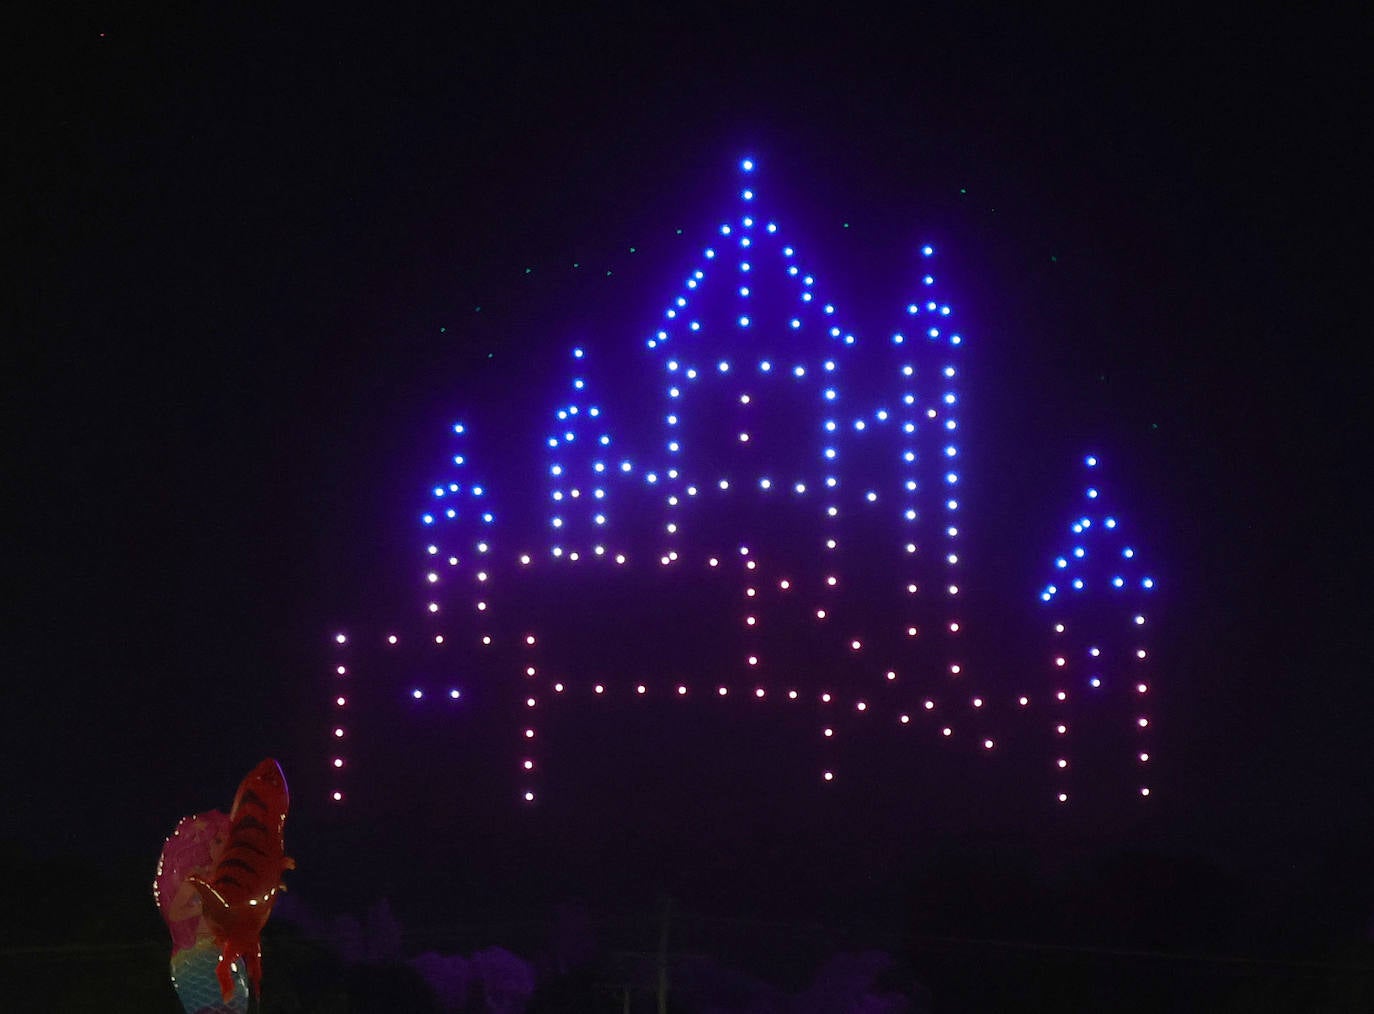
pixel 755 508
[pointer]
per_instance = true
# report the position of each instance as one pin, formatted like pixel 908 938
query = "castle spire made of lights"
pixel 783 532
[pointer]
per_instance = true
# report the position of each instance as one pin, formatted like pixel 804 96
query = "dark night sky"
pixel 249 251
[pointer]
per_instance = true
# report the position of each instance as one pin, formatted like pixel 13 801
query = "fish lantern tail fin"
pixel 224 973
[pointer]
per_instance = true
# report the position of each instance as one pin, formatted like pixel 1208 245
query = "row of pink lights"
pixel 679 691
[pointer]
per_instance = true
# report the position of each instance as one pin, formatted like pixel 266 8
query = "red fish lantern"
pixel 238 895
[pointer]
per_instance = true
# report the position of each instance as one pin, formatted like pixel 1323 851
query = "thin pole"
pixel 663 956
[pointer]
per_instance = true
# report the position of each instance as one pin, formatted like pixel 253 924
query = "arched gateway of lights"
pixel 783 532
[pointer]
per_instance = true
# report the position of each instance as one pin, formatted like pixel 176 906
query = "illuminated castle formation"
pixel 783 531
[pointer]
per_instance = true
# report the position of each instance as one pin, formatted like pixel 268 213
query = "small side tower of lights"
pixel 454 590
pixel 459 573
pixel 583 471
pixel 1099 603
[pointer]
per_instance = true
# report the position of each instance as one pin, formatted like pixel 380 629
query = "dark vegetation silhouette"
pixel 988 926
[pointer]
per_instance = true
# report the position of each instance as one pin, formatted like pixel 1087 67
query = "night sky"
pixel 249 254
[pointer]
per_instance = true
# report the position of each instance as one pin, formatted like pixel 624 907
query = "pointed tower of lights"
pixel 928 375
pixel 583 471
pixel 455 584
pixel 459 572
pixel 1099 603
pixel 749 353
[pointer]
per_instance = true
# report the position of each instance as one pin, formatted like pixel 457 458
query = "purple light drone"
pixel 798 495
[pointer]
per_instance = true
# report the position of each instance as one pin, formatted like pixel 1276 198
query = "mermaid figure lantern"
pixel 194 848
pixel 230 893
